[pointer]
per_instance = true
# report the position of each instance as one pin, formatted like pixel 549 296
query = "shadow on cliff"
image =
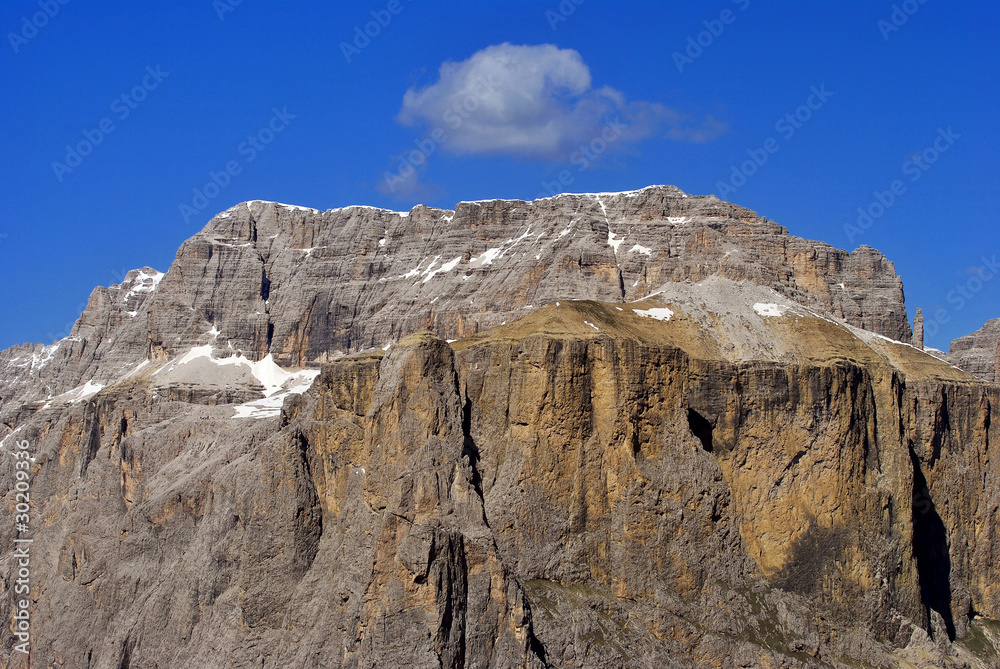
pixel 930 549
pixel 811 556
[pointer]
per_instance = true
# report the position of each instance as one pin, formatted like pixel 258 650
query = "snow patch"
pixel 15 431
pixel 39 360
pixel 638 248
pixel 657 313
pixel 769 309
pixel 266 371
pixel 487 257
pixel 81 393
pixel 142 365
pixel 416 271
pixel 627 193
pixel 270 407
pixel 678 219
pixel 592 325
pixel 281 204
pixel 447 267
pixel 142 283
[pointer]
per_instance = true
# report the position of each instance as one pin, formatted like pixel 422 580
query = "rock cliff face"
pixel 719 468
pixel 979 352
pixel 306 286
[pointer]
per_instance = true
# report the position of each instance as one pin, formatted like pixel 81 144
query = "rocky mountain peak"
pixel 306 286
pixel 610 429
pixel 979 353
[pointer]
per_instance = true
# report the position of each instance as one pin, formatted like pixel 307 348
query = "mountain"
pixel 620 429
pixel 306 286
pixel 979 352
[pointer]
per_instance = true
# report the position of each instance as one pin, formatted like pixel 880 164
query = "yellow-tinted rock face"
pixel 592 485
pixel 651 502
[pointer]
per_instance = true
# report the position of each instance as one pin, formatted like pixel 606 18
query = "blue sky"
pixel 846 101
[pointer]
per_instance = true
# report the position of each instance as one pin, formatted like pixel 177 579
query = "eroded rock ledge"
pixel 591 485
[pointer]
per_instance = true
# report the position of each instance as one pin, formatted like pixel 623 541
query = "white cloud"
pixel 535 102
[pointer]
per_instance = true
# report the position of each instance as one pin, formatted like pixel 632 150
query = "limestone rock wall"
pixel 979 352
pixel 526 499
pixel 307 286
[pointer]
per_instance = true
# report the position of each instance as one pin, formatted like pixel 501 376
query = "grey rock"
pixel 918 330
pixel 756 478
pixel 308 286
pixel 979 353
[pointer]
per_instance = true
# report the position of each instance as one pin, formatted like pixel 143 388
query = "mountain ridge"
pixel 637 430
pixel 619 247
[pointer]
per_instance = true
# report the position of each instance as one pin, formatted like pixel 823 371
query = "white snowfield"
pixel 229 212
pixel 142 282
pixel 270 407
pixel 199 365
pixel 639 248
pixel 78 394
pixel 769 309
pixel 657 313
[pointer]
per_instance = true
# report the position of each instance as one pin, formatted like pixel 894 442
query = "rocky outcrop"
pixel 918 330
pixel 107 340
pixel 979 352
pixel 307 286
pixel 591 485
pixel 729 459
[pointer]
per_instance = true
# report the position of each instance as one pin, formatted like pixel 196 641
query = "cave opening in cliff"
pixel 701 428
